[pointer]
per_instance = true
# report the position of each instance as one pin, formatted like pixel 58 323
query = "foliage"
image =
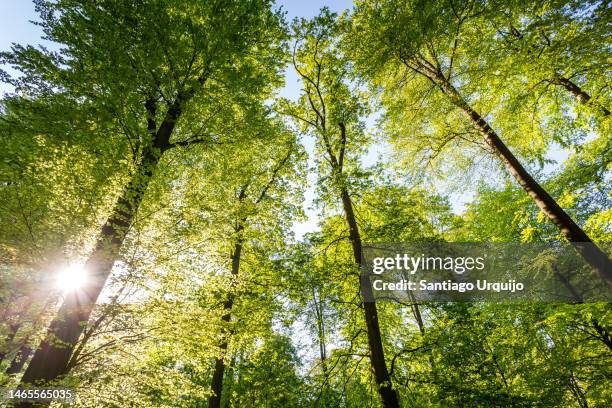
pixel 211 270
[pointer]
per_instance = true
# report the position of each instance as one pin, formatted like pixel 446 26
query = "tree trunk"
pixel 50 361
pixel 388 395
pixel 216 386
pixel 582 97
pixel 319 310
pixel 570 230
pixel 214 401
pixel 604 335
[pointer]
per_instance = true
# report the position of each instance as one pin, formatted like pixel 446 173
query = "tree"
pixel 400 38
pixel 256 184
pixel 155 71
pixel 331 112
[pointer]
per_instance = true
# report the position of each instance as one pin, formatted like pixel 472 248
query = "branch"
pixel 452 58
pixel 313 83
pixel 196 140
pixel 275 174
pixel 342 144
pixel 399 354
pixel 296 116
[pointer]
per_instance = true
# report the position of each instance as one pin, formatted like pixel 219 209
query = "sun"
pixel 71 278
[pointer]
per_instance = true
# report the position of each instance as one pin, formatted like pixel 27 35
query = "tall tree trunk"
pixel 582 97
pixel 590 252
pixel 388 395
pixel 214 401
pixel 50 361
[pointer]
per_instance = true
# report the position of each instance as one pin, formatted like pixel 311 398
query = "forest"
pixel 187 188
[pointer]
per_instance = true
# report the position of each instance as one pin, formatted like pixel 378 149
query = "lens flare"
pixel 71 278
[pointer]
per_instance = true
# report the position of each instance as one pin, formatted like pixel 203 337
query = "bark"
pixel 319 309
pixel 50 361
pixel 570 230
pixel 214 401
pixel 377 356
pixel 418 317
pixel 388 395
pixel 582 97
pixel 604 335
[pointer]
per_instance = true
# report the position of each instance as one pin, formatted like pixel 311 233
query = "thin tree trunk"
pixel 50 361
pixel 582 97
pixel 388 395
pixel 590 252
pixel 604 335
pixel 319 315
pixel 214 401
pixel 416 311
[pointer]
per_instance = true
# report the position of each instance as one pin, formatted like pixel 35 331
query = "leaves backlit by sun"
pixel 71 278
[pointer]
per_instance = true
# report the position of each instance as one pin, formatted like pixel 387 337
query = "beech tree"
pixel 332 112
pixel 407 39
pixel 148 66
pixel 254 180
pixel 151 144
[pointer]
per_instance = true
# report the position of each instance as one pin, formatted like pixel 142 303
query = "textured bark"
pixel 570 230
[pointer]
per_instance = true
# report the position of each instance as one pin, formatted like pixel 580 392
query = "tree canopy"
pixel 155 165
